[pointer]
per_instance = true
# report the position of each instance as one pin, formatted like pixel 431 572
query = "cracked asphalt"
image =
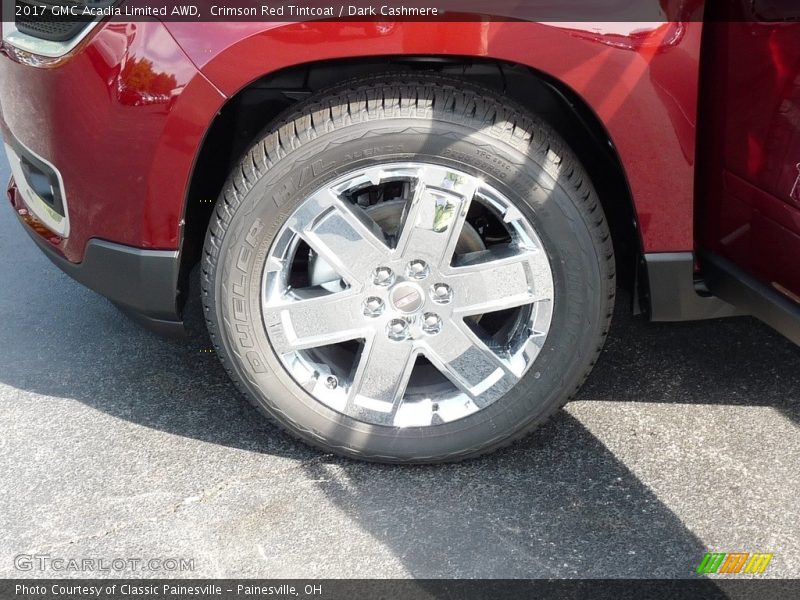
pixel 115 443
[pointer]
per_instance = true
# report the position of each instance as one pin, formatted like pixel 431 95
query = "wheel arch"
pixel 247 113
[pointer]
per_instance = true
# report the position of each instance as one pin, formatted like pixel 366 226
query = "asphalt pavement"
pixel 117 444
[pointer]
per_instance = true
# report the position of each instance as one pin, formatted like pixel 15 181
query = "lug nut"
pixel 383 276
pixel 397 329
pixel 442 293
pixel 373 306
pixel 431 323
pixel 417 269
pixel 331 382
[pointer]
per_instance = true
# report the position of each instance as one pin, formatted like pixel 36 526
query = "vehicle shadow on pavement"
pixel 559 503
pixel 556 504
pixel 736 361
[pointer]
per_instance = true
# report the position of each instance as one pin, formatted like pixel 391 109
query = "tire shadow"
pixel 557 504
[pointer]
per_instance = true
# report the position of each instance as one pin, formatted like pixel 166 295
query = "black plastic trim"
pixel 141 283
pixel 31 167
pixel 30 162
pixel 63 28
pixel 738 287
pixel 673 294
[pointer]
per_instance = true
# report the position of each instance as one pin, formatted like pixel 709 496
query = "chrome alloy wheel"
pixel 407 294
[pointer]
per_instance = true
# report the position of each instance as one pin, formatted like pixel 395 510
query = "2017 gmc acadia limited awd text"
pixel 409 234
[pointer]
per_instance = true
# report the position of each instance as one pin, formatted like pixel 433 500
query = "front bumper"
pixel 119 120
pixel 142 283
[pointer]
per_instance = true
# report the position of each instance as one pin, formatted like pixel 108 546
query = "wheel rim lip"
pixel 417 404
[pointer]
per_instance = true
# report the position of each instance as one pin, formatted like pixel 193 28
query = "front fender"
pixel 640 79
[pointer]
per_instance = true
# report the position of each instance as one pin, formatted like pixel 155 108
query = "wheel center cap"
pixel 407 297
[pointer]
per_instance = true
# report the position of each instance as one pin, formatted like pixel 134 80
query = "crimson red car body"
pixel 145 152
pixel 125 114
pixel 127 163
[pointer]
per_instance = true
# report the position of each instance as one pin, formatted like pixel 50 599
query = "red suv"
pixel 409 234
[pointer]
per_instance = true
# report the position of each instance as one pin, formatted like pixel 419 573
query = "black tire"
pixel 399 117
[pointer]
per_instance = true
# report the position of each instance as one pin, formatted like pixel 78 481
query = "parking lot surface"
pixel 115 443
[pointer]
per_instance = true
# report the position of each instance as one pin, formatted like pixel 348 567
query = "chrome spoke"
pixel 380 379
pixel 474 367
pixel 347 240
pixel 499 280
pixel 314 322
pixel 436 215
